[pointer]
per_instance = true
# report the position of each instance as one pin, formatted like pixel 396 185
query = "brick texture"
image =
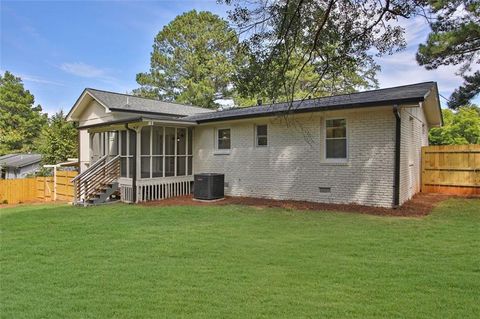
pixel 293 165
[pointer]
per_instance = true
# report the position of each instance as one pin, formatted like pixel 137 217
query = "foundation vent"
pixel 325 190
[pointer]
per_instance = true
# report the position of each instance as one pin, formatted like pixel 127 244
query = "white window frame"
pixel 222 151
pixel 335 160
pixel 256 135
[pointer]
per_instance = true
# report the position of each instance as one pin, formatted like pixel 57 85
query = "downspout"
pixel 396 177
pixel 134 174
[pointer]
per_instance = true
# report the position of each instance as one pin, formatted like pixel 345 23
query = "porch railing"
pixel 163 189
pixel 100 174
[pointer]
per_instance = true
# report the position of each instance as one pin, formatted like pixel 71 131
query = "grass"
pixel 123 261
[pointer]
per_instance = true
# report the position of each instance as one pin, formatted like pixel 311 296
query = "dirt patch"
pixel 420 205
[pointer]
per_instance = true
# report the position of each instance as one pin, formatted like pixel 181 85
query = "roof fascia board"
pixel 184 123
pixel 123 121
pixel 144 112
pixel 80 99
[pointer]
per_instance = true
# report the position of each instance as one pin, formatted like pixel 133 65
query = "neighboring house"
pixel 361 148
pixel 19 165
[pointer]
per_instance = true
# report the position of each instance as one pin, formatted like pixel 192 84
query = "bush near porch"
pixel 232 261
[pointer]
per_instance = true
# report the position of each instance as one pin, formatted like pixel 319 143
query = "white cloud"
pixel 40 80
pixel 86 71
pixel 402 68
pixel 34 78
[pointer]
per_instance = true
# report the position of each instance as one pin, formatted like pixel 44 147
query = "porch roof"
pixel 146 118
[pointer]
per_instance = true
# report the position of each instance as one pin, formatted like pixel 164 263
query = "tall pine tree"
pixel 192 61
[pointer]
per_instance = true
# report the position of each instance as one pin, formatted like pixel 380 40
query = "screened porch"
pixel 155 159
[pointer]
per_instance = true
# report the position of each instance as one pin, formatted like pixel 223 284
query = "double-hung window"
pixel 261 135
pixel 223 139
pixel 336 139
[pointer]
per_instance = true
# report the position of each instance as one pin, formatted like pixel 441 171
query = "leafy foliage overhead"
pixel 461 127
pixel 20 120
pixel 192 61
pixel 454 40
pixel 284 39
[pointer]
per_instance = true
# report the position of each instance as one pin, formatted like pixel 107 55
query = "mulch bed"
pixel 420 205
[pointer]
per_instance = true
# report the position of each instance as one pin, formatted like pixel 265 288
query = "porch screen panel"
pixel 145 158
pixel 123 153
pixel 157 151
pixel 131 150
pixel 170 145
pixel 181 151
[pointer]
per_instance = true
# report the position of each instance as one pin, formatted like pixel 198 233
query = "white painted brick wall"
pixel 414 136
pixel 292 168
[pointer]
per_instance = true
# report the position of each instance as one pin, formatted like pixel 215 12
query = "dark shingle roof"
pixel 130 103
pixel 19 160
pixel 396 95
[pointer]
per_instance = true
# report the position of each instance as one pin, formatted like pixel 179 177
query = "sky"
pixel 59 48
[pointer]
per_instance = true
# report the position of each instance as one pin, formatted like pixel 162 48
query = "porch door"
pixel 112 144
pixel 95 147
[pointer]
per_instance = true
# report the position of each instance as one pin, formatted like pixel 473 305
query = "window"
pixel 261 135
pixel 223 139
pixel 336 139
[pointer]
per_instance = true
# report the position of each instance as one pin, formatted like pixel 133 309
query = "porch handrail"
pixel 98 175
pixel 91 168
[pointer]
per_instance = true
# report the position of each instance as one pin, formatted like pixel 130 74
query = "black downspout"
pixel 134 174
pixel 396 178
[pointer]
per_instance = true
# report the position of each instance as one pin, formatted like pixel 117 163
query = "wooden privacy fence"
pixel 14 191
pixel 451 169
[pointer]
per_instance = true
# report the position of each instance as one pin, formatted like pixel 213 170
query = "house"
pixel 361 148
pixel 19 165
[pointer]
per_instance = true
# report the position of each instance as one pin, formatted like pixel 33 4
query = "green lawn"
pixel 121 261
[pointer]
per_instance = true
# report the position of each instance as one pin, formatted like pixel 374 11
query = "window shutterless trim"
pixel 222 150
pixel 257 136
pixel 335 159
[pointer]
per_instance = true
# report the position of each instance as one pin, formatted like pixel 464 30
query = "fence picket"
pixel 451 169
pixel 15 191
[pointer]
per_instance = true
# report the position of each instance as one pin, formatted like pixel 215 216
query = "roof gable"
pixel 83 101
pixel 118 102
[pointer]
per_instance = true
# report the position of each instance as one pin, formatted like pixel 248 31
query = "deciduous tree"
pixel 20 121
pixel 287 39
pixel 460 127
pixel 58 140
